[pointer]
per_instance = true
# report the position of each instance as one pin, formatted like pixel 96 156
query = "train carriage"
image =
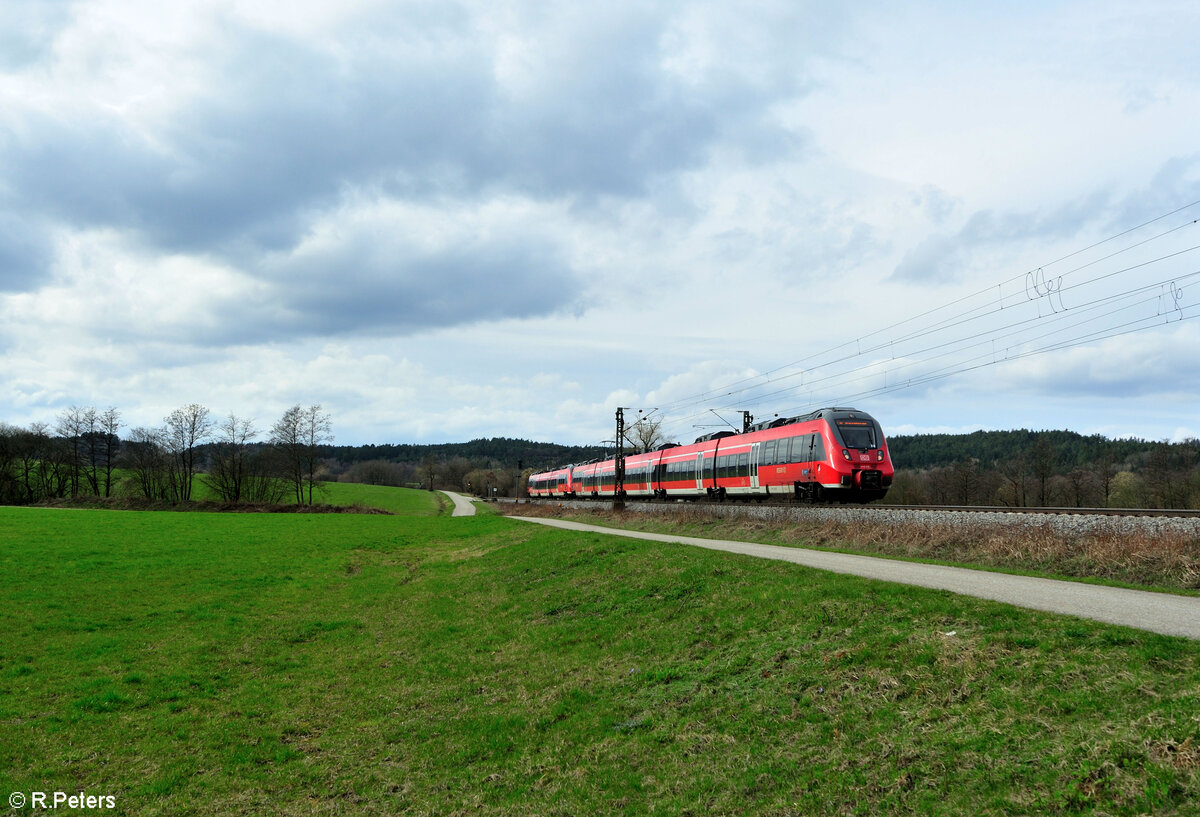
pixel 548 484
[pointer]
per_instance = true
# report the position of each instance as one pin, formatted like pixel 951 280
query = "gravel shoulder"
pixel 1163 613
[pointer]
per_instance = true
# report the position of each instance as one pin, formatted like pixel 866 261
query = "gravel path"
pixel 462 505
pixel 1155 612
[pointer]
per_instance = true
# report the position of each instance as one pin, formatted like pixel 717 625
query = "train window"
pixel 802 448
pixel 857 433
pixel 767 456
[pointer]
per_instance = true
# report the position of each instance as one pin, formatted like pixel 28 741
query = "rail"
pixel 1179 513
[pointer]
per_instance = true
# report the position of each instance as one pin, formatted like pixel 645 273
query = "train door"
pixel 754 454
pixel 699 472
pixel 812 456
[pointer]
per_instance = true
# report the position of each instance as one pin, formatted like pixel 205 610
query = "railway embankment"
pixel 1157 552
pixel 1064 520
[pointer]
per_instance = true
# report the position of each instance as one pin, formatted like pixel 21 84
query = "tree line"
pixel 84 454
pixel 1044 469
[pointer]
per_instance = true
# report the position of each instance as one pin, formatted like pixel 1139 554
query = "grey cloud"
pixel 363 287
pixel 29 29
pixel 25 253
pixel 937 259
pixel 413 108
pixel 943 258
pixel 1176 184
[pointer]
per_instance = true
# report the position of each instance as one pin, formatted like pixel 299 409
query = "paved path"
pixel 462 504
pixel 1156 612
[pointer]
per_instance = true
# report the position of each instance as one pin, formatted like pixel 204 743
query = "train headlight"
pixel 879 455
pixel 846 454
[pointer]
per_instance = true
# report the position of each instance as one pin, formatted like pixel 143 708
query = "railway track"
pixel 636 504
pixel 1149 512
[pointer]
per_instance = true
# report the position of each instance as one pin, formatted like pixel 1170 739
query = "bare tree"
pixel 1105 470
pixel 241 470
pixel 299 434
pixel 230 468
pixel 1015 473
pixel 1081 484
pixel 964 475
pixel 490 482
pixel 186 428
pixel 379 472
pixel 645 434
pixel 108 444
pixel 452 473
pixel 71 425
pixel 10 483
pixel 264 466
pixel 90 449
pixel 1042 463
pixel 429 471
pixel 147 463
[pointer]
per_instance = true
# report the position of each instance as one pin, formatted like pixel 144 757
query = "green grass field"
pixel 403 501
pixel 190 663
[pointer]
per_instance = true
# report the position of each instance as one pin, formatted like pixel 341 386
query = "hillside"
pixel 1068 448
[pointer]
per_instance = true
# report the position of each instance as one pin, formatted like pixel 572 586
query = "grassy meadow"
pixel 402 501
pixel 200 663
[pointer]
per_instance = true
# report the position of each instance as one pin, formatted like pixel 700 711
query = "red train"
pixel 833 455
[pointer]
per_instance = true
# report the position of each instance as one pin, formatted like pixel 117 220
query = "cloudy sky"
pixel 446 220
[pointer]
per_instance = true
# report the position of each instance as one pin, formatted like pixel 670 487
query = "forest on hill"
pixel 502 452
pixel 1044 468
pixel 1069 449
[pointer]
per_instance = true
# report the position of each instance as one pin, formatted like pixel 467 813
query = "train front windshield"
pixel 858 434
